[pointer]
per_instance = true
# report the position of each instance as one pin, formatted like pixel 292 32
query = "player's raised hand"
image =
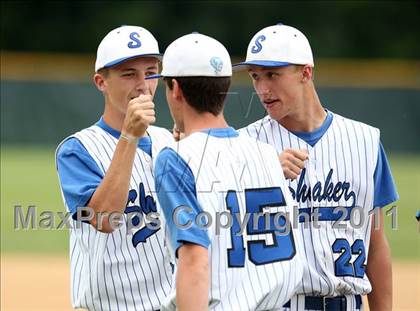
pixel 140 114
pixel 292 162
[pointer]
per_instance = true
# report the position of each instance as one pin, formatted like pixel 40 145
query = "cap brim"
pixel 123 59
pixel 156 76
pixel 260 63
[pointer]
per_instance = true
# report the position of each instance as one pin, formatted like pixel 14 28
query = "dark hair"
pixel 204 94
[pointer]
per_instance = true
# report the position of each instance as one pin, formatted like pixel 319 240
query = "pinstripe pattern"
pixel 350 148
pixel 238 163
pixel 107 271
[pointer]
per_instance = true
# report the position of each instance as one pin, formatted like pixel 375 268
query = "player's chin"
pixel 272 108
pixel 276 113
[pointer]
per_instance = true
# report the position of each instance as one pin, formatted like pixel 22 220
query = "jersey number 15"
pixel 259 252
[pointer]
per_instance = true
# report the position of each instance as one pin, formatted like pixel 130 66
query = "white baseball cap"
pixel 277 46
pixel 195 55
pixel 124 43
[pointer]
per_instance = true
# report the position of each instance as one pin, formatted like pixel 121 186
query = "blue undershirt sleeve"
pixel 385 191
pixel 176 192
pixel 78 173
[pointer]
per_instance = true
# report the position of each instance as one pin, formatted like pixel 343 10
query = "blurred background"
pixel 367 67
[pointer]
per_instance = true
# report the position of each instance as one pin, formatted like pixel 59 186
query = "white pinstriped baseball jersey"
pixel 339 173
pixel 238 175
pixel 123 270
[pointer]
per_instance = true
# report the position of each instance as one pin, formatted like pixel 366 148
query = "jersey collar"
pixel 144 143
pixel 225 132
pixel 101 123
pixel 311 138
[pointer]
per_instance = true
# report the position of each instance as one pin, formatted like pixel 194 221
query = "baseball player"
pixel 212 174
pixel 345 177
pixel 117 263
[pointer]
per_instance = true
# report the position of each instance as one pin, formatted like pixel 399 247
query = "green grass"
pixel 405 241
pixel 28 177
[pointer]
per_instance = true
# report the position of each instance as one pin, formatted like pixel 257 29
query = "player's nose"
pixel 263 91
pixel 141 85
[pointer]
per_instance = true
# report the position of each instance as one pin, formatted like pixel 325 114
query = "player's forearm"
pixel 193 280
pixel 379 271
pixel 111 195
pixel 380 275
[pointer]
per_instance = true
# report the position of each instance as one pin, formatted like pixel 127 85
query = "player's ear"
pixel 99 81
pixel 177 91
pixel 307 73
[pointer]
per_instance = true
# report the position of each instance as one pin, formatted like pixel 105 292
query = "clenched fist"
pixel 292 162
pixel 140 114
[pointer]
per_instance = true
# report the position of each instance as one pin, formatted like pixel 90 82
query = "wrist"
pixel 129 138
